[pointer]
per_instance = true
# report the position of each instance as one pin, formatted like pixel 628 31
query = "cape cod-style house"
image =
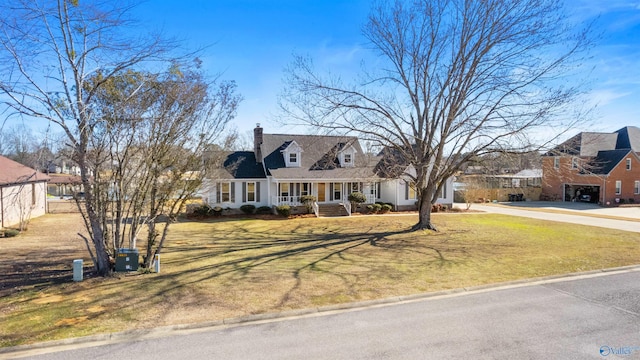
pixel 284 167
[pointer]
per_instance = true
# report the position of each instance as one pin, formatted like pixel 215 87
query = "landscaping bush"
pixel 263 210
pixel 284 210
pixel 385 208
pixel 217 211
pixel 203 210
pixel 356 198
pixel 9 233
pixel 248 209
pixel 374 208
pixel 308 200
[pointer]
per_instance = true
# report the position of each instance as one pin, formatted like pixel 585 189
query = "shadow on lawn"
pixel 281 247
pixel 36 270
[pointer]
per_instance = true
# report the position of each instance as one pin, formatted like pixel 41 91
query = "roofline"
pixel 23 182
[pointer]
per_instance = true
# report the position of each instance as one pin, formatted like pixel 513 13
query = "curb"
pixel 141 334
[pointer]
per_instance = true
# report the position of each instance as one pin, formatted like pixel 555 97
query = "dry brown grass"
pixel 232 267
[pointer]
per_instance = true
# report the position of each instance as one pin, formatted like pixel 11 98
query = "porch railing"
pixel 371 199
pixel 347 206
pixel 286 200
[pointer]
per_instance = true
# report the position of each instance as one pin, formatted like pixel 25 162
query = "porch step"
pixel 331 210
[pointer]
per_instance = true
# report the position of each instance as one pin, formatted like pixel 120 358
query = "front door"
pixel 321 196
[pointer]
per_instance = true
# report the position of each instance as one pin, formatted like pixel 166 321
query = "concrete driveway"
pixel 620 218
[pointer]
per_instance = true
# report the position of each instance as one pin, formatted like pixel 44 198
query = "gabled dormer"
pixel 292 154
pixel 347 156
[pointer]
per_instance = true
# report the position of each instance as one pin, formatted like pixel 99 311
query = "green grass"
pixel 226 268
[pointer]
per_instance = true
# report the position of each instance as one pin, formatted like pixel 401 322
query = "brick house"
pixel 602 168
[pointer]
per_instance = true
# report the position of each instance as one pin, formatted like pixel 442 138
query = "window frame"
pixel 222 192
pixel 251 192
pixel 618 187
pixel 412 192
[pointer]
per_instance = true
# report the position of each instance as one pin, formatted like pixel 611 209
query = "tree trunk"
pixel 424 213
pixel 102 265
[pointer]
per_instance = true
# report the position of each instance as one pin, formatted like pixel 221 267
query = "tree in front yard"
pixel 56 59
pixel 454 79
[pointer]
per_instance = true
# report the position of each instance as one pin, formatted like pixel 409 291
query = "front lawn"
pixel 231 267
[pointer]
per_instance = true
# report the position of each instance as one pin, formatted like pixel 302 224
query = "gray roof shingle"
pixel 589 144
pixel 606 161
pixel 318 160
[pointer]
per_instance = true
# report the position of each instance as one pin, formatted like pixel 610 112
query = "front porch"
pixel 290 193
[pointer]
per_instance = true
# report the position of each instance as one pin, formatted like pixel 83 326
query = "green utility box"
pixel 127 260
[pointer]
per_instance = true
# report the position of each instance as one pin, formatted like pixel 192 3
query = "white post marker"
pixel 156 263
pixel 77 270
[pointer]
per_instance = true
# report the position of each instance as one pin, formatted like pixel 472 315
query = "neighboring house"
pixel 520 186
pixel 23 193
pixel 282 168
pixel 64 186
pixel 64 167
pixel 594 167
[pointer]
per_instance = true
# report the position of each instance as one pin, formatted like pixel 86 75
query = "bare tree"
pixel 48 52
pixel 149 151
pixel 454 79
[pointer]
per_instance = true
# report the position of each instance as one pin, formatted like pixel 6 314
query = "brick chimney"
pixel 257 141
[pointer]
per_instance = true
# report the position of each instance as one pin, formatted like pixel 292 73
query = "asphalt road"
pixel 588 317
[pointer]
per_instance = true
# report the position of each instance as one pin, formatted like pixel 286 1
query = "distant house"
pixel 595 167
pixel 23 193
pixel 520 186
pixel 282 168
pixel 64 186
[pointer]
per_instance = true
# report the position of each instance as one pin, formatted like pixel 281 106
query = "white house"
pixel 284 167
pixel 23 193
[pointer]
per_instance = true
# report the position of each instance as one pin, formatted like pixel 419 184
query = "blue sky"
pixel 252 41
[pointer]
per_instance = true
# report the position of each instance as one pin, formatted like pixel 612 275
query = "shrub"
pixel 307 200
pixel 385 208
pixel 284 210
pixel 217 211
pixel 374 208
pixel 263 210
pixel 203 210
pixel 248 209
pixel 632 200
pixel 9 233
pixel 357 197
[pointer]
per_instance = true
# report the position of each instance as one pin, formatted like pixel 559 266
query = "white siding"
pixel 22 202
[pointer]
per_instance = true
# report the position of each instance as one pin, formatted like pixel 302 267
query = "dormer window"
pixel 292 154
pixel 346 157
